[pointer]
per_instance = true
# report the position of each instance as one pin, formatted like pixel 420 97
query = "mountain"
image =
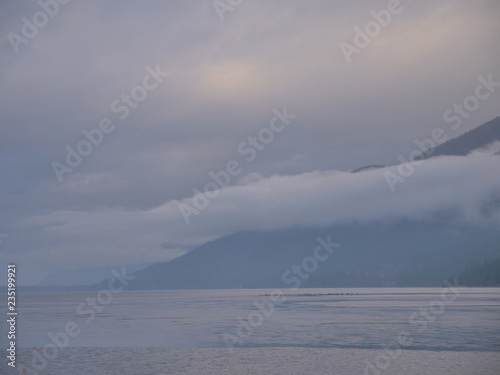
pixel 402 253
pixel 391 253
pixel 474 139
pixel 367 168
pixel 83 277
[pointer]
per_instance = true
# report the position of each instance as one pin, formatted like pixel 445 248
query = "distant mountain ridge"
pixel 367 168
pixel 85 277
pixel 472 140
pixel 464 144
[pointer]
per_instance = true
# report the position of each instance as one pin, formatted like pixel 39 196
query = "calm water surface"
pixel 359 323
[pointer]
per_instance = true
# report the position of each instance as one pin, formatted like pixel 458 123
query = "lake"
pixel 306 331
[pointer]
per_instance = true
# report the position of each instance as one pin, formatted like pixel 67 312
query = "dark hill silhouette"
pixel 462 145
pixel 472 140
pixel 402 253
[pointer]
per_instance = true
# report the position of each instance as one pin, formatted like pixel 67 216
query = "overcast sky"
pixel 217 82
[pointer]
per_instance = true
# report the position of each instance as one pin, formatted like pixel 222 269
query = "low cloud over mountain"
pixel 465 186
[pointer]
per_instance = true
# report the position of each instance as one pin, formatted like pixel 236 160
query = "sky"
pixel 260 94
